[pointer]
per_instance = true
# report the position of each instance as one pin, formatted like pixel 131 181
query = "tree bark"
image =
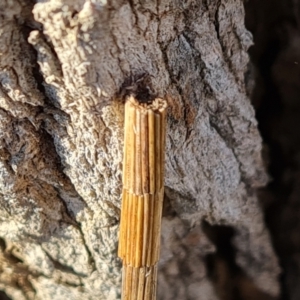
pixel 65 67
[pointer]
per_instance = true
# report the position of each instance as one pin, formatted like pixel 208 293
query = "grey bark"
pixel 64 69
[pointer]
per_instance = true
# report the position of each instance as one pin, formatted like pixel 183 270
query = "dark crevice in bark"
pixel 133 9
pixel 21 273
pixel 25 286
pixel 216 22
pixel 39 79
pixel 61 267
pixel 26 27
pixel 3 296
pixel 2 244
pixel 70 218
pixel 229 280
pixel 11 257
pixel 48 148
pixel 221 237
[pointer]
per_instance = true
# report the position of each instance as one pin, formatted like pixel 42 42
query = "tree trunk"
pixel 66 67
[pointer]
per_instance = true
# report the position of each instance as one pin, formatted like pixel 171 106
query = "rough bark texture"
pixel 64 68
